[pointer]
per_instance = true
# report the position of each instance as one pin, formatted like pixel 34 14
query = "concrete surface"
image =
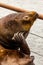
pixel 35 42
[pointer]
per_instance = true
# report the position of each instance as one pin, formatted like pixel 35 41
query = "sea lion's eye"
pixel 26 18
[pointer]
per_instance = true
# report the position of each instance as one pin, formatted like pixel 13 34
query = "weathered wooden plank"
pixel 35 43
pixel 38 59
pixel 36 46
pixel 37 28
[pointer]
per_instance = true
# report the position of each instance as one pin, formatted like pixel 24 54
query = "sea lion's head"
pixel 28 20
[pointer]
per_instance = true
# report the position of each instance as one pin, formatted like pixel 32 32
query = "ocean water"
pixel 35 43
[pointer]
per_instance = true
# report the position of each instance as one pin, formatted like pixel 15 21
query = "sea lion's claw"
pixel 32 58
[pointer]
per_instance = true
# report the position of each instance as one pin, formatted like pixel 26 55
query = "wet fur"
pixel 14 23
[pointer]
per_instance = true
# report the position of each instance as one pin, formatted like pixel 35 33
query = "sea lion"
pixel 11 24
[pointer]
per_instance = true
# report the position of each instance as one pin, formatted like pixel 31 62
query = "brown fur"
pixel 13 23
pixel 17 22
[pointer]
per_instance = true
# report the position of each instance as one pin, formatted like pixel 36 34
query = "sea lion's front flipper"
pixel 22 43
